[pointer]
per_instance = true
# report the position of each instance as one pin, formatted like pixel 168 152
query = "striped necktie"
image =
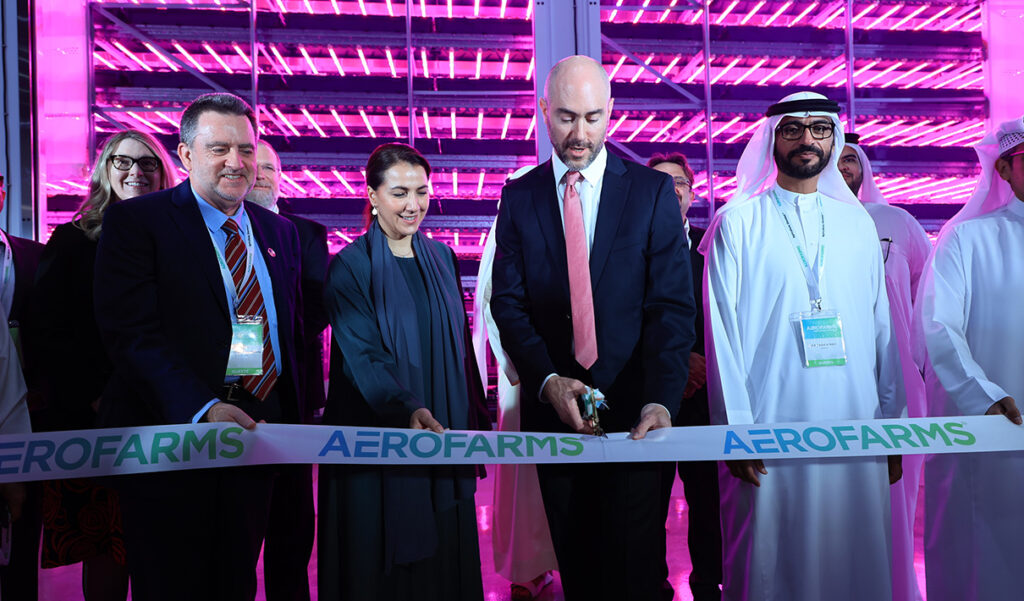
pixel 250 303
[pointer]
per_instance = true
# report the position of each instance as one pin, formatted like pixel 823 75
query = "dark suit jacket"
pixel 694 410
pixel 643 298
pixel 313 241
pixel 26 254
pixel 163 313
pixel 63 329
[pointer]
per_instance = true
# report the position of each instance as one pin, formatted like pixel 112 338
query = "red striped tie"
pixel 251 303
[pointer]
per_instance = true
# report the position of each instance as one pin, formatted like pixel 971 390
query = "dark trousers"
pixel 704 530
pixel 607 528
pixel 195 534
pixel 20 578
pixel 290 531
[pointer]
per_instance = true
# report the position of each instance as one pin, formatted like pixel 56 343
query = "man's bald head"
pixel 576 106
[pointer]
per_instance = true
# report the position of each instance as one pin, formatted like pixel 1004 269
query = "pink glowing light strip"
pixel 885 16
pixel 294 183
pixel 189 57
pixel 99 57
pixel 667 127
pixel 316 180
pixel 132 56
pixel 962 75
pixel 864 12
pixel 906 19
pixel 906 73
pixel 637 131
pixel 976 136
pixel 699 126
pixel 640 70
pixel 309 60
pixel 696 16
pixel 800 17
pixel 640 13
pixel 752 12
pixel 728 68
pixel 341 124
pixel 529 70
pixel 479 189
pixel 366 122
pixel 777 14
pixel 334 59
pixel 533 124
pixel 615 11
pixel 831 18
pixel 618 65
pixel 865 136
pixel 834 70
pixel 145 122
pixel 881 73
pixel 746 130
pixel 285 120
pixel 621 120
pixel 668 10
pixel 175 124
pixel 391 62
pixel 163 57
pixel 971 83
pixel 670 66
pixel 454 125
pixel 426 123
pixel 933 18
pixel 957 132
pixel 749 72
pixel 423 59
pixel 928 76
pixel 971 15
pixel 334 5
pixel 725 127
pixel 504 64
pixel 394 123
pixel 343 181
pixel 281 61
pixel 504 125
pixel 921 134
pixel 209 50
pixel 803 70
pixel 362 59
pixel 313 122
pixel 479 61
pixel 241 54
pixel 480 125
pixel 455 182
pixel 725 13
pixel 451 64
pixel 776 71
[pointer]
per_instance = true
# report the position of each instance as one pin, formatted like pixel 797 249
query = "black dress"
pixel 352 555
pixel 81 519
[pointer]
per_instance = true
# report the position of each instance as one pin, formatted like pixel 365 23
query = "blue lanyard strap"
pixel 811 275
pixel 225 272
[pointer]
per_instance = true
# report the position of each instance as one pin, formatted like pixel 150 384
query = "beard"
pixel 801 170
pixel 854 183
pixel 562 150
pixel 264 198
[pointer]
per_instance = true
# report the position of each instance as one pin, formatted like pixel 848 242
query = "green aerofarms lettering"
pixel 775 441
pixel 371 444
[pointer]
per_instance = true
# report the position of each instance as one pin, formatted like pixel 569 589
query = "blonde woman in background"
pixel 82 519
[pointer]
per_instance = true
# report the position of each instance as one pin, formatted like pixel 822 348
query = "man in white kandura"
pixel 793 257
pixel 905 250
pixel 969 313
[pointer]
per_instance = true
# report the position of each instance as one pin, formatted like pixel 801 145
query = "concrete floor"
pixel 64 584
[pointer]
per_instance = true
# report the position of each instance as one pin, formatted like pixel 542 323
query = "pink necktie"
pixel 584 334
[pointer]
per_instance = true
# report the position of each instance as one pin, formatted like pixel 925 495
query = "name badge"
pixel 246 358
pixel 821 334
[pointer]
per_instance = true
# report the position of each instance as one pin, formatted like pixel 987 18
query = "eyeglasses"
pixel 886 245
pixel 125 163
pixel 795 131
pixel 682 182
pixel 1012 154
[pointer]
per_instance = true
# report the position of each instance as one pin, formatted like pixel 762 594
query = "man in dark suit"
pixel 290 532
pixel 700 478
pixel 19 579
pixel 591 287
pixel 177 272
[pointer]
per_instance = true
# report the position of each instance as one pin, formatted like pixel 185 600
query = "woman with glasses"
pixel 81 519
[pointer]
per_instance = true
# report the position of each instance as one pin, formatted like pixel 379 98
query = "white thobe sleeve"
pixel 892 394
pixel 484 327
pixel 918 249
pixel 943 315
pixel 14 418
pixel 728 397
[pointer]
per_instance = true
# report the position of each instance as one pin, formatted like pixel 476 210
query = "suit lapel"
pixel 189 220
pixel 550 219
pixel 614 192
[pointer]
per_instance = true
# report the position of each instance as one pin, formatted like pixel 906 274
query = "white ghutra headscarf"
pixel 756 170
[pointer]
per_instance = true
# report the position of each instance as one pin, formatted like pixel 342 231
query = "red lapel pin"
pixel 271 252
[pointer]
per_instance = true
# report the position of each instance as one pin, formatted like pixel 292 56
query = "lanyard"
pixel 813 276
pixel 225 272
